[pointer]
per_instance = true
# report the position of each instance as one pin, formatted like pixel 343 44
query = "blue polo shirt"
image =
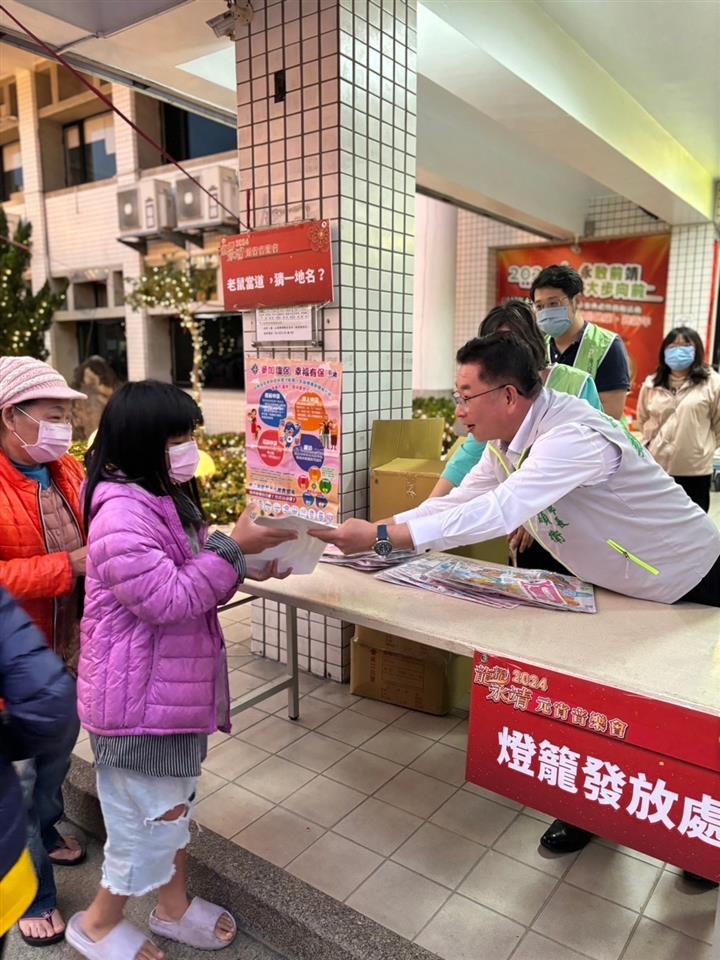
pixel 613 373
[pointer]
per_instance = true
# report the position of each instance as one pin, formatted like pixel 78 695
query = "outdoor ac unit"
pixel 196 209
pixel 146 208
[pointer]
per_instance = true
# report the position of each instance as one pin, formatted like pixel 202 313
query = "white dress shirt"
pixel 480 508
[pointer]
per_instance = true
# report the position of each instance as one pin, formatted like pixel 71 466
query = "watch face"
pixel 383 548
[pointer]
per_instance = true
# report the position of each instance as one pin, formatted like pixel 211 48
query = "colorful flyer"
pixel 292 438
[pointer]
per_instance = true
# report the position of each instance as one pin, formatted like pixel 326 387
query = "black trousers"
pixel 697 488
pixel 708 590
pixel 537 557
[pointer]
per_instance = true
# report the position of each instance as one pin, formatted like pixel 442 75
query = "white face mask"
pixel 183 461
pixel 53 440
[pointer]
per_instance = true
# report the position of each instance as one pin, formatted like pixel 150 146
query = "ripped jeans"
pixel 141 846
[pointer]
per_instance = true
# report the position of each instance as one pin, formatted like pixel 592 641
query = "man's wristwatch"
pixel 383 546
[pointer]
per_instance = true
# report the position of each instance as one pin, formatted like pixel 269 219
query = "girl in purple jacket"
pixel 152 681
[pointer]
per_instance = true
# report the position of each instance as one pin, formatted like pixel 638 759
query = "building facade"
pixel 105 208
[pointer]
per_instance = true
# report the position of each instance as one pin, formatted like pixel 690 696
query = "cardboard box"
pixel 394 670
pixel 405 465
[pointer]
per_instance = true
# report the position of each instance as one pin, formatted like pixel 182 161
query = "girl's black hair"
pixel 699 371
pixel 131 440
pixel 518 318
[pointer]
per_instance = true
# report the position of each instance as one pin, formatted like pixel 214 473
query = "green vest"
pixel 567 379
pixel 595 343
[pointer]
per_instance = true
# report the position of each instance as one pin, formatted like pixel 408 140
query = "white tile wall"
pixel 475 295
pixel 691 257
pixel 690 278
pixel 613 216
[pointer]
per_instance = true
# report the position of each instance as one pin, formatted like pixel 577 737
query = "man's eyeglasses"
pixel 460 401
pixel 549 304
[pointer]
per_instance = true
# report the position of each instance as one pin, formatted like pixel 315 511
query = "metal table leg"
pixel 290 683
pixel 292 663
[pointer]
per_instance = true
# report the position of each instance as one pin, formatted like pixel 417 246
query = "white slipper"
pixel 124 942
pixel 196 927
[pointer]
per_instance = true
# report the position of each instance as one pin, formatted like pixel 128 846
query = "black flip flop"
pixel 41 941
pixel 68 863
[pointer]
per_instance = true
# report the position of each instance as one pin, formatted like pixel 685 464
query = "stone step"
pixel 77 887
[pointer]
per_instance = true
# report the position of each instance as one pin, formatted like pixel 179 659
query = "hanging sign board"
pixel 280 267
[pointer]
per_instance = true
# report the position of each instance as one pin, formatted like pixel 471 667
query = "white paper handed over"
pixel 302 554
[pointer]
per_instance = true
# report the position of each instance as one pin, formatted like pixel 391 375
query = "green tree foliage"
pixel 24 315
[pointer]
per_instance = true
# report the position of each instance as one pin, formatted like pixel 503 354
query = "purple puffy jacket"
pixel 150 639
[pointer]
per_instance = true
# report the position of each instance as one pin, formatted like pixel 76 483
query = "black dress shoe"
pixel 561 837
pixel 696 878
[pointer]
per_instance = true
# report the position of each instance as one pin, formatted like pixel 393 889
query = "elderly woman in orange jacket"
pixel 42 557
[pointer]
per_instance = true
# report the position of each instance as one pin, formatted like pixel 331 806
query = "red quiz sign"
pixel 637 771
pixel 279 267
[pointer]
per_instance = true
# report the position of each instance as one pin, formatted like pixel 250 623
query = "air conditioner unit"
pixel 196 209
pixel 146 208
pixel 5 113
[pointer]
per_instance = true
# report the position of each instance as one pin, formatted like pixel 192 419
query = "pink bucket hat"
pixel 24 378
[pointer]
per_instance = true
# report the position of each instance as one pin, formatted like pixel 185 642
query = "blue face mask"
pixel 679 358
pixel 554 321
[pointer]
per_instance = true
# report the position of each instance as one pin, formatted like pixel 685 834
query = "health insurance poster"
pixel 292 437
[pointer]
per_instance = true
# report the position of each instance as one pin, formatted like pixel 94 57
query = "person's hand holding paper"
pixel 255 540
pixel 266 571
pixel 291 548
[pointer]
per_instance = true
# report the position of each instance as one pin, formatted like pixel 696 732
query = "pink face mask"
pixel 53 440
pixel 183 461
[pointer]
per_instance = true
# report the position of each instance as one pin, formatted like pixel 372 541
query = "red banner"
pixel 280 267
pixel 625 289
pixel 637 771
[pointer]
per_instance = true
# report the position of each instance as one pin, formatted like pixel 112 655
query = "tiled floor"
pixel 368 802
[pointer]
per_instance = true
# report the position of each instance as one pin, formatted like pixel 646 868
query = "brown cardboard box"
pixel 394 670
pixel 404 467
pixel 404 464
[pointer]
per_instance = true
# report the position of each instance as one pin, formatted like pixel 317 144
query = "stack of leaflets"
pixel 368 562
pixel 493 584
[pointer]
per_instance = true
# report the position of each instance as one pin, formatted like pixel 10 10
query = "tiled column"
pixel 340 146
pixel 690 278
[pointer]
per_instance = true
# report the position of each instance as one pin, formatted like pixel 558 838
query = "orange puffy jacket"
pixel 27 571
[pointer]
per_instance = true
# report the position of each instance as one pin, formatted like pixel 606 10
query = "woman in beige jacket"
pixel 679 413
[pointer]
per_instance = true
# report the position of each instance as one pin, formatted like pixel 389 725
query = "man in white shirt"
pixel 578 482
pixel 573 476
